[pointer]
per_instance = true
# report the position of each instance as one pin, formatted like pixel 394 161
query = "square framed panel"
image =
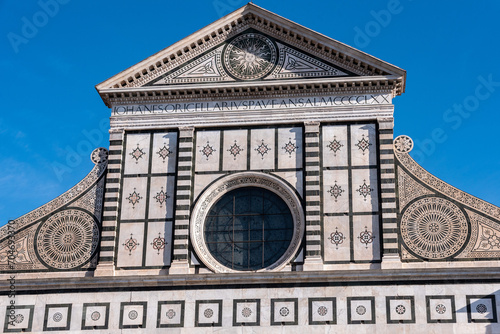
pixel 481 308
pixel 208 313
pixel 360 310
pixel 400 309
pixel 95 316
pixel 322 311
pixel 440 309
pixel 19 319
pixel 133 314
pixel 57 317
pixel 284 312
pixel 246 312
pixel 170 314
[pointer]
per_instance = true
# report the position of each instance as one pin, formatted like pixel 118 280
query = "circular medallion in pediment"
pixel 67 239
pixel 250 56
pixel 434 228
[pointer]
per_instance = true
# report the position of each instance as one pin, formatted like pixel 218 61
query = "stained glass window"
pixel 248 229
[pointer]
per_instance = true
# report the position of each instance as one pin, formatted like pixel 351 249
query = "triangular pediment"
pixel 252 46
pixel 250 55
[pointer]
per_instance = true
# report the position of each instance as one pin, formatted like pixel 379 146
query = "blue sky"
pixel 51 57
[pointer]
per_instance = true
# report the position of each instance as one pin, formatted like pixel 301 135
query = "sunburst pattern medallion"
pixel 250 56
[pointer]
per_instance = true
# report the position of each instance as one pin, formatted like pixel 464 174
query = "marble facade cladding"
pixel 426 308
pixel 146 210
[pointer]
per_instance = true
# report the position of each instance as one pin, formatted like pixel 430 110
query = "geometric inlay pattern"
pixel 290 147
pixel 337 238
pixel 364 190
pixel 67 239
pixel 335 145
pixel 262 149
pixel 164 152
pixel 159 243
pixel 161 197
pixel 207 150
pixel 434 228
pixel 235 149
pixel 134 198
pixel 131 244
pixel 363 144
pixel 336 191
pixel 137 153
pixel 366 237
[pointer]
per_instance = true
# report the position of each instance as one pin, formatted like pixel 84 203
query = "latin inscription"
pixel 249 105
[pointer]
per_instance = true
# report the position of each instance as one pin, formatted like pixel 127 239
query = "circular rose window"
pixel 247 222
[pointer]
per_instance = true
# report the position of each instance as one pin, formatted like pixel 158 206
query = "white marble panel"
pixel 321 310
pixel 334 145
pixel 95 315
pixel 290 148
pixel 161 197
pixel 171 314
pixel 208 313
pixel 361 310
pixel 137 153
pixel 336 241
pixel 262 149
pixel 235 150
pixel 159 244
pixel 335 191
pixel 364 190
pixel 366 238
pixel 284 312
pixel 134 196
pixel 294 178
pixel 201 181
pixel 481 309
pixel 400 309
pixel 363 145
pixel 246 312
pixel 164 152
pixel 207 151
pixel 132 315
pixel 57 317
pixel 19 319
pixel 130 245
pixel 440 308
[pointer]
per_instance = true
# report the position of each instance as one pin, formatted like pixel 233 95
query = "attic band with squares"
pixel 253 179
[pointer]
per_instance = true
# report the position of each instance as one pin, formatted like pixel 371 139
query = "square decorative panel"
pixel 95 316
pixel 57 317
pixel 170 314
pixel 208 313
pixel 360 310
pixel 400 309
pixel 481 309
pixel 440 309
pixel 18 319
pixel 284 311
pixel 322 311
pixel 246 312
pixel 133 314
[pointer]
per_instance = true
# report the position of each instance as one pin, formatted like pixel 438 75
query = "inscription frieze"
pixel 252 105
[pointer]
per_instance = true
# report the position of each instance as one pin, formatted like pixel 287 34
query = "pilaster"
pixel 183 197
pixel 313 259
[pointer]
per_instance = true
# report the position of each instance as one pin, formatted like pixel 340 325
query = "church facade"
pixel 253 182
